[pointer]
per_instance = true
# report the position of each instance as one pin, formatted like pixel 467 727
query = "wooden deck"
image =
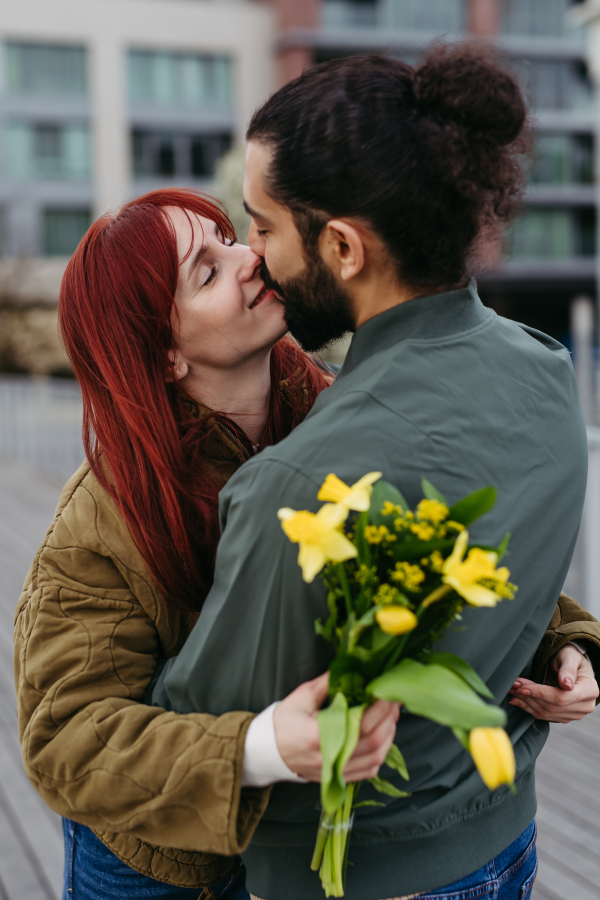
pixel 31 854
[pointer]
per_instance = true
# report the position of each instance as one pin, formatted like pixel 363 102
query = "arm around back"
pixel 570 622
pixel 87 634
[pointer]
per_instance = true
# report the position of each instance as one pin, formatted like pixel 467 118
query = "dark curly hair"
pixel 428 156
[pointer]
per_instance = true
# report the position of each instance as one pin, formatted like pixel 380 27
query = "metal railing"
pixel 40 423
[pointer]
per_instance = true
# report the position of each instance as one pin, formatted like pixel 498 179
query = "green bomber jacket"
pixel 438 387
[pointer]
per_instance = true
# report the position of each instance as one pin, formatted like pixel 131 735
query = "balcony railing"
pixel 440 16
pixel 40 423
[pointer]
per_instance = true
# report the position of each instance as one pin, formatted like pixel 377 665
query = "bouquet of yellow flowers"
pixel 396 580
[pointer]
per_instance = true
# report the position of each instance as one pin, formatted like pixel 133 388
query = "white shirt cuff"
pixel 580 647
pixel 263 763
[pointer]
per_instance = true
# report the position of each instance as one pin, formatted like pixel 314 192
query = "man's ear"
pixel 180 368
pixel 343 243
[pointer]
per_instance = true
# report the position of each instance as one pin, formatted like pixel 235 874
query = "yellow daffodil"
pixel 357 497
pixel 493 755
pixel 476 578
pixel 319 537
pixel 396 619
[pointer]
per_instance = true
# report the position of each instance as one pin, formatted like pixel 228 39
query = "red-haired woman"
pixel 185 373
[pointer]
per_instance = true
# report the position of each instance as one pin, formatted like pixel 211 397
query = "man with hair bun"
pixel 370 183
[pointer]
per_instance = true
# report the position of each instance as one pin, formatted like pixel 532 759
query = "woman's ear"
pixel 344 244
pixel 180 368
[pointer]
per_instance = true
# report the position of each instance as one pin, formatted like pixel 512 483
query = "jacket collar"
pixel 424 318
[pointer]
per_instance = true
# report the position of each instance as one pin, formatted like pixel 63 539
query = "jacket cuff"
pixel 570 622
pixel 247 805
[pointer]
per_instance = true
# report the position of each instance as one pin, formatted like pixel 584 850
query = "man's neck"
pixel 376 293
pixel 242 393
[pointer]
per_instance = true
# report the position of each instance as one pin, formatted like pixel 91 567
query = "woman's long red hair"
pixel 141 441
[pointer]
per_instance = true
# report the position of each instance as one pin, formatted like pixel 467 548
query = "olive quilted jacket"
pixel 89 628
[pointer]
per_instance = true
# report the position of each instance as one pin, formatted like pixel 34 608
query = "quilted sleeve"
pixel 570 622
pixel 85 650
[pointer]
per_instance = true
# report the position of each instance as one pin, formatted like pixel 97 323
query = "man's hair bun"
pixel 429 157
pixel 466 85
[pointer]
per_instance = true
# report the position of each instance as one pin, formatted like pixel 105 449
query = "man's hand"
pixel 573 697
pixel 297 733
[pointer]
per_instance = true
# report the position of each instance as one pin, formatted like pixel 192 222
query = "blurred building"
pixel 552 252
pixel 101 100
pixel 104 99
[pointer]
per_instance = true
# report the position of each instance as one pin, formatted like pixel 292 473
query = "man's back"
pixel 443 388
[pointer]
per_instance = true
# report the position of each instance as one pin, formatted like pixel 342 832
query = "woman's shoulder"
pixel 89 544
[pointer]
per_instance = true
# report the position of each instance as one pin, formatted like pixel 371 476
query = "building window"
pixel 349 13
pixel 409 15
pixel 165 154
pixel 564 159
pixel 63 229
pixel 536 17
pixel 556 84
pixel 184 79
pixel 46 69
pixel 554 234
pixel 48 150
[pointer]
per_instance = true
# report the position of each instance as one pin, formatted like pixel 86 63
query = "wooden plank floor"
pixel 31 854
pixel 31 848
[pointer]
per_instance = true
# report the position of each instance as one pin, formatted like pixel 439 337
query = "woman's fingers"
pixel 376 714
pixel 555 705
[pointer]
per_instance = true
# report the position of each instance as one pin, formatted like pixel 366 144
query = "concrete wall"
pixel 244 30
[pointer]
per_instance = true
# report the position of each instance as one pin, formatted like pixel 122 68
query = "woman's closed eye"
pixel 209 277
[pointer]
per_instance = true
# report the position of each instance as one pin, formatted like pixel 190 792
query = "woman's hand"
pixel 573 697
pixel 297 733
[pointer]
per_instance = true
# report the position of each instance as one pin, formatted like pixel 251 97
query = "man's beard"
pixel 317 310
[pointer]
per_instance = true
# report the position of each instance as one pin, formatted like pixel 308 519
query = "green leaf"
pixel 382 492
pixel 461 736
pixel 436 693
pixel 395 760
pixel 386 787
pixel 332 731
pixel 431 492
pixel 414 548
pixel 355 714
pixel 462 668
pixel 472 507
pixel 503 547
pixel 367 803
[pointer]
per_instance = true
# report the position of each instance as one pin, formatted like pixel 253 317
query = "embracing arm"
pixel 570 622
pixel 255 640
pixel 84 654
pixel 564 683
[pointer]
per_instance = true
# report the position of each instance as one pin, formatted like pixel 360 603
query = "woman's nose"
pixel 250 264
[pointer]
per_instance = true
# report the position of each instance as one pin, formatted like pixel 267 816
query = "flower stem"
pixel 439 592
pixel 346 587
pixel 323 833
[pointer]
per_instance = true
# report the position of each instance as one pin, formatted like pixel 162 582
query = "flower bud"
pixel 493 755
pixel 396 619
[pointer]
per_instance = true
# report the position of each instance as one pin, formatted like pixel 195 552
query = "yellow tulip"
pixel 493 755
pixel 396 619
pixel 319 537
pixel 357 497
pixel 476 578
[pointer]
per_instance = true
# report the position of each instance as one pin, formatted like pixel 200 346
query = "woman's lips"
pixel 264 294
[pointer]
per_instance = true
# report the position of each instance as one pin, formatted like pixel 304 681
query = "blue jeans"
pixel 509 876
pixel 93 872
